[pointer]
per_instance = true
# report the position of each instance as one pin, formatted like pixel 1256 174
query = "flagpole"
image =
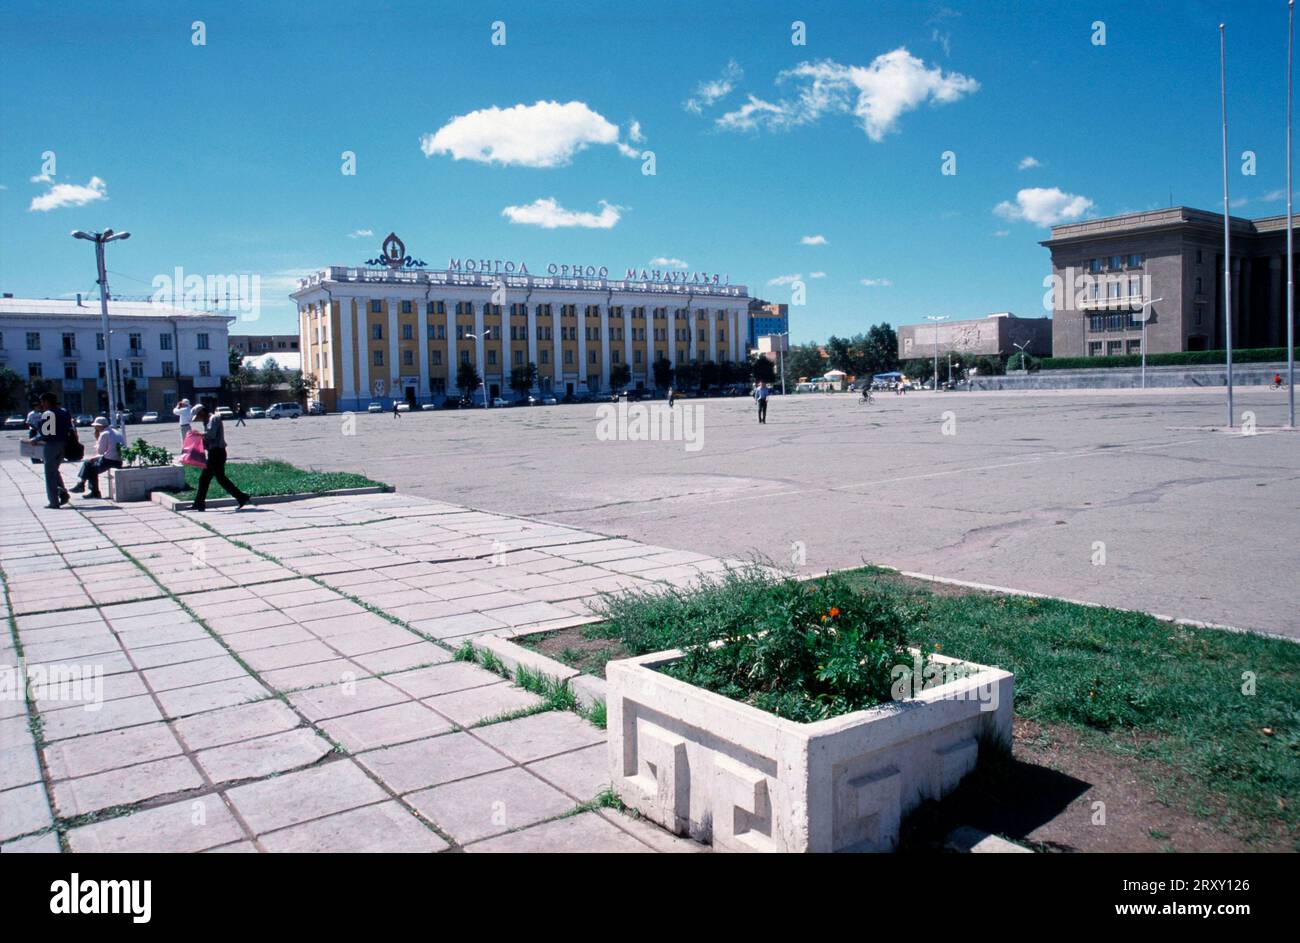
pixel 1227 220
pixel 1290 283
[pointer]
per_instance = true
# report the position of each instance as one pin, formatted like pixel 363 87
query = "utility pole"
pixel 100 239
pixel 936 319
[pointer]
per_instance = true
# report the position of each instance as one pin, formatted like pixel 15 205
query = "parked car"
pixel 257 412
pixel 428 407
pixel 284 411
pixel 16 422
pixel 375 408
pixel 125 416
pixel 225 412
pixel 149 417
pixel 498 402
pixel 403 407
pixel 315 408
pixel 83 419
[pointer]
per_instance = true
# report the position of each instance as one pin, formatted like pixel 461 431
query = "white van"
pixel 284 411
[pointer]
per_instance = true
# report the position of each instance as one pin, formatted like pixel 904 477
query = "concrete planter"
pixel 701 764
pixel 135 484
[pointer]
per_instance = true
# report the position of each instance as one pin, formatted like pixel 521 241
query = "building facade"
pixel 385 334
pixel 995 335
pixel 1169 263
pixel 766 318
pixel 159 354
pixel 255 345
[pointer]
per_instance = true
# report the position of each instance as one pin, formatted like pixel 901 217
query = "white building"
pixel 159 354
pixel 386 333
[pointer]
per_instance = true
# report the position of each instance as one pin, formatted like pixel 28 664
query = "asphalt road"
pixel 1025 490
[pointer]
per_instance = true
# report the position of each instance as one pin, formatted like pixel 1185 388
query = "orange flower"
pixel 835 611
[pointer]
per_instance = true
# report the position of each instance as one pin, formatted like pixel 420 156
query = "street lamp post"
pixel 780 354
pixel 1021 348
pixel 936 319
pixel 487 332
pixel 1146 316
pixel 100 239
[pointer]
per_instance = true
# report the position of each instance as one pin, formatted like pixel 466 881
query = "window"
pixel 1094 266
pixel 406 332
pixel 205 368
pixel 636 355
pixel 519 358
pixel 1198 284
pixel 1135 346
pixel 1094 348
pixel 435 358
pixel 376 306
pixel 99 341
pixel 33 371
pixel 376 332
pixel 164 342
pixel 168 369
pixel 568 359
pixel 406 307
pixel 460 332
pixel 137 371
pixel 546 356
pixel 492 358
pixel 203 341
pixel 33 340
pixel 464 356
pixel 69 343
pixel 591 356
pixel 1135 261
pixel 1114 348
pixel 378 358
pixel 1112 290
pixel 1115 262
pixel 70 370
pixel 1135 288
pixel 408 358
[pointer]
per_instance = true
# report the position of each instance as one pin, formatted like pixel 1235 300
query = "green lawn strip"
pixel 1174 696
pixel 1141 687
pixel 267 478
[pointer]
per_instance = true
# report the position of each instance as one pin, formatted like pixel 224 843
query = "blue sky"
pixel 225 158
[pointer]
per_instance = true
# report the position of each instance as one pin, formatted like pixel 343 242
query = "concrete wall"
pixel 1255 374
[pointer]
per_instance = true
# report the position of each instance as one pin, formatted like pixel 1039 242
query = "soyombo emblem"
pixel 393 255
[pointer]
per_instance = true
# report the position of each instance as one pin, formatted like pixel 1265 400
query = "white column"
pixel 347 330
pixel 363 351
pixel 742 330
pixel 422 352
pixel 733 321
pixel 394 365
pixel 530 312
pixel 604 347
pixel 557 355
pixel 627 341
pixel 453 364
pixel 581 317
pixel 670 317
pixel 507 359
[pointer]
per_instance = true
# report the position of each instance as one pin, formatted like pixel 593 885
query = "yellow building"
pixel 398 333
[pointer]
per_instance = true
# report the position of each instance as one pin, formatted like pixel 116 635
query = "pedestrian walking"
pixel 214 442
pixel 56 432
pixel 240 414
pixel 108 454
pixel 760 397
pixel 185 413
pixel 672 397
pixel 396 414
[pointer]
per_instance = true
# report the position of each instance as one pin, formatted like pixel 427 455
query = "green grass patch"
pixel 266 478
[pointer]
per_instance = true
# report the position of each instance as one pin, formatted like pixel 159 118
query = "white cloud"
pixel 549 214
pixel 1237 202
pixel 706 93
pixel 69 194
pixel 1044 206
pixel 1002 232
pixel 816 274
pixel 360 233
pixel 634 132
pixel 813 240
pixel 877 94
pixel 41 178
pixel 545 134
pixel 785 279
pixel 877 282
pixel 668 263
pixel 1026 163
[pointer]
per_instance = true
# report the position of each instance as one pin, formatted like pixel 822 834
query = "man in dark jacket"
pixel 54 432
pixel 214 443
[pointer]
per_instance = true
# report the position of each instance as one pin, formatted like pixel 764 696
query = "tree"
pixel 882 349
pixel 235 359
pixel 802 362
pixel 467 378
pixel 687 376
pixel 708 375
pixel 663 372
pixel 620 375
pixel 522 379
pixel 11 391
pixel 302 385
pixel 763 370
pixel 271 375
